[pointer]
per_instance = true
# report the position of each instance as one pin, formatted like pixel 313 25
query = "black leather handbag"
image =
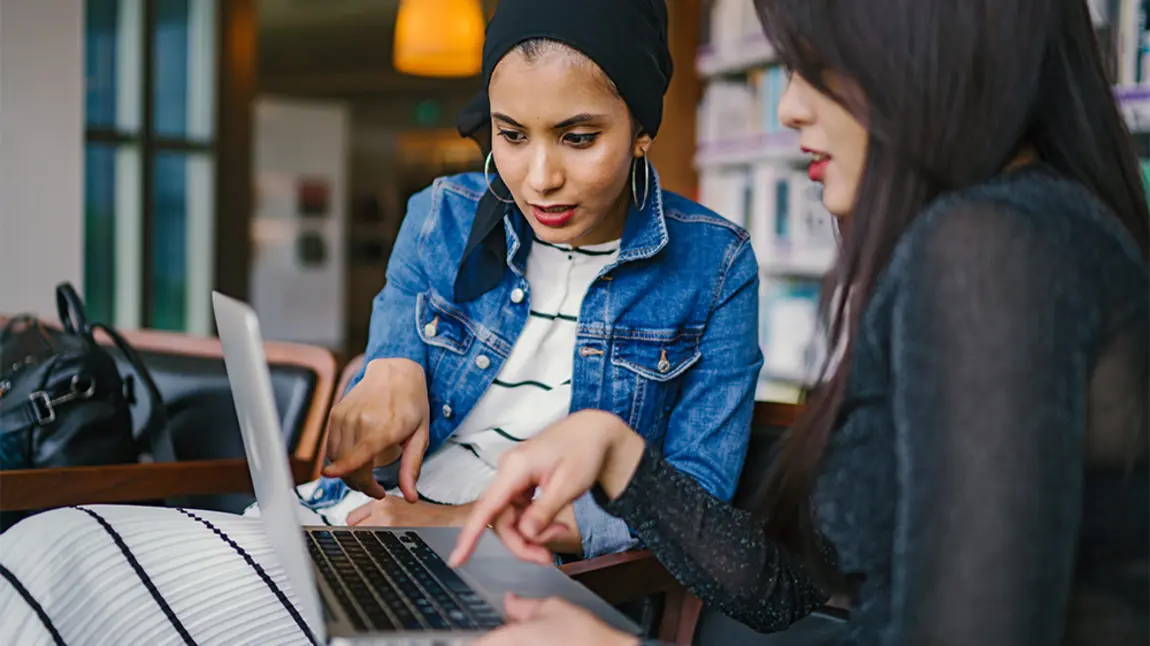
pixel 63 401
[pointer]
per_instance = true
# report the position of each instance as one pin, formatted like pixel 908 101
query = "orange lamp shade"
pixel 442 38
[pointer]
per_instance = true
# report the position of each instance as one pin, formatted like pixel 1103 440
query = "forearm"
pixel 720 553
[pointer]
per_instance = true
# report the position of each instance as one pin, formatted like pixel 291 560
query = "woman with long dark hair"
pixel 973 467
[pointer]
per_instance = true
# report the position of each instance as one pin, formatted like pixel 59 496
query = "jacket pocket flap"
pixel 655 360
pixel 438 324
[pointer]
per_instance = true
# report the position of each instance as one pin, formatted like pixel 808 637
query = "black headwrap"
pixel 627 39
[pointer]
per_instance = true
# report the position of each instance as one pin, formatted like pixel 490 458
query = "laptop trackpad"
pixel 499 576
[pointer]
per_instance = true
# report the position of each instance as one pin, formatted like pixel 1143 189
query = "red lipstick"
pixel 554 216
pixel 817 169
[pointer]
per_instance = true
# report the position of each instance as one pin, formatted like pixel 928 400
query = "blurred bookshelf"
pixel 751 171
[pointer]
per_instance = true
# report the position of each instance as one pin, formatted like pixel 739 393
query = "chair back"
pixel 349 372
pixel 770 421
pixel 192 379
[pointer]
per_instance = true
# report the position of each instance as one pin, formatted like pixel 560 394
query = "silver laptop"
pixel 371 585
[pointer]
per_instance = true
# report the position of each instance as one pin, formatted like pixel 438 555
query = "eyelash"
pixel 576 139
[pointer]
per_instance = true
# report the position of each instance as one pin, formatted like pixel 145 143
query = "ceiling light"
pixel 442 38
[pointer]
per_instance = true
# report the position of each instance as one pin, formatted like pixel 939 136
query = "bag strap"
pixel 153 434
pixel 70 308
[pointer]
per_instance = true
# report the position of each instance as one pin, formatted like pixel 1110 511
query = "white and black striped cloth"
pixel 123 575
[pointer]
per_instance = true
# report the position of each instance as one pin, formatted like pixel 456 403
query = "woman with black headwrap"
pixel 562 278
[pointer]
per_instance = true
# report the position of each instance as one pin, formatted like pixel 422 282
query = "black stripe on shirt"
pixel 36 607
pixel 471 449
pixel 578 250
pixel 259 571
pixel 507 435
pixel 144 578
pixel 529 382
pixel 552 317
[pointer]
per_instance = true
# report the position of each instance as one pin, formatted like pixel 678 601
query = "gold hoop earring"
pixel 487 178
pixel 646 182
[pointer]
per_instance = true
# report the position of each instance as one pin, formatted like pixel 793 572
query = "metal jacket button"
pixel 482 362
pixel 517 295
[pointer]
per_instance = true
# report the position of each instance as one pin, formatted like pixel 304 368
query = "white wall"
pixel 297 140
pixel 41 151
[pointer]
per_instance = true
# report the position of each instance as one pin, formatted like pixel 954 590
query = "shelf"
pixel 1134 101
pixel 766 147
pixel 795 377
pixel 750 53
pixel 773 391
pixel 808 263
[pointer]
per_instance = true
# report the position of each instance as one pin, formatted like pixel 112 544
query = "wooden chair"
pixel 190 374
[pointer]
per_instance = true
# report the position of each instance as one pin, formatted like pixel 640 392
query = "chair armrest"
pixel 23 489
pixel 623 577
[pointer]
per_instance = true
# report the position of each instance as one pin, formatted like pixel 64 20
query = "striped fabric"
pixel 533 388
pixel 118 575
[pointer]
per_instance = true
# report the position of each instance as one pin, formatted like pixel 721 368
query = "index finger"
pixel 499 495
pixel 361 455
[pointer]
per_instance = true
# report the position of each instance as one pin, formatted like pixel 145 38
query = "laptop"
pixel 357 585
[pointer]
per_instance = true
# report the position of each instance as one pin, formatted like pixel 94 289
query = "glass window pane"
pixel 184 48
pixel 100 61
pixel 112 229
pixel 182 260
pixel 100 231
pixel 112 64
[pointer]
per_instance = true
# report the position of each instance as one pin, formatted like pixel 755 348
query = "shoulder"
pixel 696 231
pixel 448 203
pixel 1032 218
pixel 460 190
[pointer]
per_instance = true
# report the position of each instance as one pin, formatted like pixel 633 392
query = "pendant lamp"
pixel 441 38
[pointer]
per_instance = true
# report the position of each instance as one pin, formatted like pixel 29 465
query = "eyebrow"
pixel 580 118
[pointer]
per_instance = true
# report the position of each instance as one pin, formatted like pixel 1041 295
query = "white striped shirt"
pixel 533 388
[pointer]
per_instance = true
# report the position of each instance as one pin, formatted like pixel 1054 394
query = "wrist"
pixel 624 450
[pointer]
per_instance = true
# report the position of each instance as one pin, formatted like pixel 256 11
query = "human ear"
pixel 642 144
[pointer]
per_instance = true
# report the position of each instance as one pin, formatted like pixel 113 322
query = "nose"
pixel 793 110
pixel 545 174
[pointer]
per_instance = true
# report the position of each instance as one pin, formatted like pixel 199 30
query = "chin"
pixel 836 206
pixel 566 235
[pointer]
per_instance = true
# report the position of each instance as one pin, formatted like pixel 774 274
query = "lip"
pixel 553 219
pixel 817 170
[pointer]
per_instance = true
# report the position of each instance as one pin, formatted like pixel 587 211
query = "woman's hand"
pixel 393 512
pixel 555 622
pixel 386 412
pixel 564 462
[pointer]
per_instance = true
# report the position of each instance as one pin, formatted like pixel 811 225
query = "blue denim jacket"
pixel 667 337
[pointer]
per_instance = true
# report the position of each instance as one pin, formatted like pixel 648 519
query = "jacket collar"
pixel 492 249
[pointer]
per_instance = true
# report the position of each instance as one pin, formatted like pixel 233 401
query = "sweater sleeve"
pixel 720 553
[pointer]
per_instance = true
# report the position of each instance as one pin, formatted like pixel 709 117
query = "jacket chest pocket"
pixel 445 333
pixel 647 374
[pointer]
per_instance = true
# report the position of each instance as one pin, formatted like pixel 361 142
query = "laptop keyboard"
pixel 394 581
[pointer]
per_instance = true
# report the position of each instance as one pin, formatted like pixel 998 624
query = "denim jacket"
pixel 667 337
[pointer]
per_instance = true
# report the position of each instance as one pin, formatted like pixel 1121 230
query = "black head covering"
pixel 627 39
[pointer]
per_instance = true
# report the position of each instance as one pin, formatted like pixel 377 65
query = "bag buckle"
pixel 44 406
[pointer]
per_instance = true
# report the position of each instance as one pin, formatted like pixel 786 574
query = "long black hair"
pixel 950 92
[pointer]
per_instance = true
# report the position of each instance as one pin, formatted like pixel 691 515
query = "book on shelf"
pixel 733 110
pixel 788 315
